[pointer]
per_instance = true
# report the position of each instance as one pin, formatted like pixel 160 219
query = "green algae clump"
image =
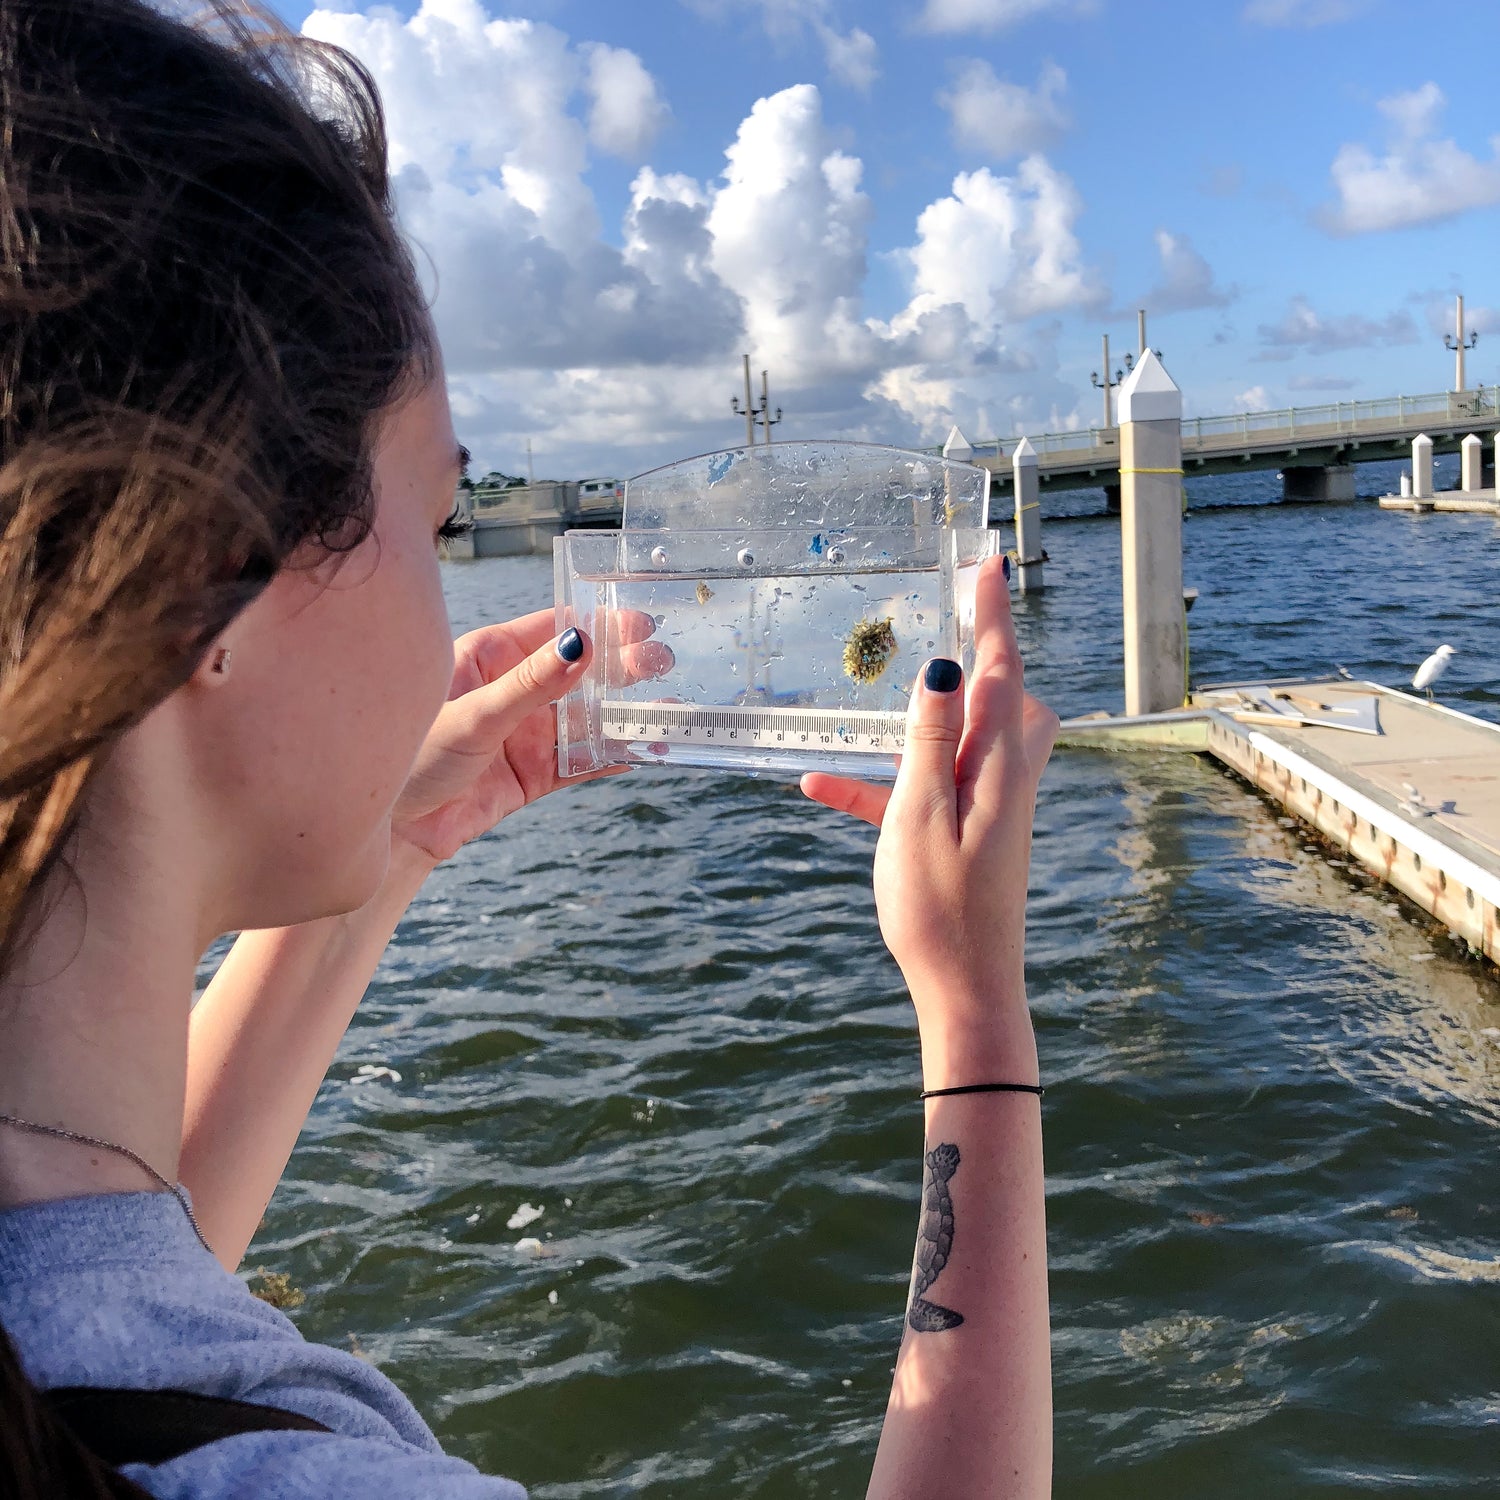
pixel 276 1288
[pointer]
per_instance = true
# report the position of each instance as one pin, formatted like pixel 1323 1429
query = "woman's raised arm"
pixel 262 1037
pixel 970 1412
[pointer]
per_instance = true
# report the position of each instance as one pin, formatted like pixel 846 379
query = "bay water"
pixel 658 1010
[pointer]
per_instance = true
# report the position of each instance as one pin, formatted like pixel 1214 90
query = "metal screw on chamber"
pixel 835 555
pixel 659 556
pixel 746 558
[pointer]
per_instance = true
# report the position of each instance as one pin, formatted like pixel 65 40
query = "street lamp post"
pixel 752 413
pixel 1108 383
pixel 1459 345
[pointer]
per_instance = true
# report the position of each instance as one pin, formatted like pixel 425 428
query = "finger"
pixel 493 648
pixel 998 689
pixel 485 716
pixel 628 626
pixel 636 663
pixel 925 784
pixel 862 799
pixel 995 646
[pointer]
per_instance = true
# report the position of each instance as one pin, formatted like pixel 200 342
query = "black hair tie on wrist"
pixel 986 1088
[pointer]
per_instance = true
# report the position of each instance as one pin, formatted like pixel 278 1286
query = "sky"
pixel 921 213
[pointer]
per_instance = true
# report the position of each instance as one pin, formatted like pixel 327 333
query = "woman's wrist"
pixel 999 1049
pixel 408 870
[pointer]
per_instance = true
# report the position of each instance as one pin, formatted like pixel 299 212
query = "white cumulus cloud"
pixel 1303 328
pixel 496 196
pixel 1441 316
pixel 615 346
pixel 1003 247
pixel 1003 119
pixel 990 15
pixel 1187 280
pixel 626 112
pixel 1421 177
pixel 853 58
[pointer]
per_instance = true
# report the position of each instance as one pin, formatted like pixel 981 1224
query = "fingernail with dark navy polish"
pixel 570 645
pixel 1005 565
pixel 943 675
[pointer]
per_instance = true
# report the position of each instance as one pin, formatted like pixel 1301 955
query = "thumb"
pixel 925 784
pixel 488 715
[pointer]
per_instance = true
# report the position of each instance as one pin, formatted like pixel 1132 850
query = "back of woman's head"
pixel 204 307
pixel 203 303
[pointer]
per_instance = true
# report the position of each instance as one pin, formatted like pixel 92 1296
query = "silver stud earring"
pixel 221 661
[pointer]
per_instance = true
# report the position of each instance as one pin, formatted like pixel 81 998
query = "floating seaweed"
pixel 869 649
pixel 276 1288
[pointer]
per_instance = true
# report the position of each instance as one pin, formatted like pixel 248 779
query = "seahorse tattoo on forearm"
pixel 934 1242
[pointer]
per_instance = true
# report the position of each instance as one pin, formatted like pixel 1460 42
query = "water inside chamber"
pixel 786 641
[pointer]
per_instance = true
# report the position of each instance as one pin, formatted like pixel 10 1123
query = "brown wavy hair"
pixel 205 304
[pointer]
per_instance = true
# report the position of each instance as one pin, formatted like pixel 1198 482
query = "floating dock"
pixel 1409 788
pixel 1484 502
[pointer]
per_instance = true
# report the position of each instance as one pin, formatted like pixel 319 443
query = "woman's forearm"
pixel 970 1412
pixel 260 1042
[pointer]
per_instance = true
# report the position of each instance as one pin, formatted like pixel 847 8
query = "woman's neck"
pixel 94 1012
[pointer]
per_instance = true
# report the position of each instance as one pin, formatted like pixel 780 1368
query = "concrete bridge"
pixel 520 521
pixel 1316 448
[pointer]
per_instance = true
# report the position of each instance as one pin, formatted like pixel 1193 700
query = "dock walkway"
pixel 1409 788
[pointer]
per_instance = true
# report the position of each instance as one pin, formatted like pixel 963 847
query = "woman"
pixel 229 702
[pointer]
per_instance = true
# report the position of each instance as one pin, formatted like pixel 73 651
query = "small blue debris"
pixel 719 466
pixel 816 545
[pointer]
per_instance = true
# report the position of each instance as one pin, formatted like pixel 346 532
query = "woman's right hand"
pixel 955 847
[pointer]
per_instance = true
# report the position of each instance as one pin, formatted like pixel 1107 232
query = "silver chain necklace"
pixel 125 1151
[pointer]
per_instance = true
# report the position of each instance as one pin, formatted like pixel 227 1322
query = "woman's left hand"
pixel 493 747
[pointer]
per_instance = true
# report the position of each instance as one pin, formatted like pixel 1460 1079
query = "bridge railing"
pixel 1480 406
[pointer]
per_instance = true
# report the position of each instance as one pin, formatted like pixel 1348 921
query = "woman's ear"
pixel 215 666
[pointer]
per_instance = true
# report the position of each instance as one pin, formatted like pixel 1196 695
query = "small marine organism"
pixel 276 1288
pixel 869 649
pixel 704 593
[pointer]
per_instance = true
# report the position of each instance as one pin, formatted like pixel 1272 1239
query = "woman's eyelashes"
pixel 457 525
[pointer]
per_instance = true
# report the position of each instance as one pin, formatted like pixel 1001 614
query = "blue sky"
pixel 924 211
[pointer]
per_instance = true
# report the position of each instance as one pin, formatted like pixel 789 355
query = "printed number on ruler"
pixel 762 728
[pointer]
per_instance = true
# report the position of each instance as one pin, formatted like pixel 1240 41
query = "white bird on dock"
pixel 1415 805
pixel 1433 668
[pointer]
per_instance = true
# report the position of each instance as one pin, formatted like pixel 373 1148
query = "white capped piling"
pixel 958 447
pixel 961 451
pixel 1471 469
pixel 1028 488
pixel 1421 467
pixel 1405 484
pixel 1150 415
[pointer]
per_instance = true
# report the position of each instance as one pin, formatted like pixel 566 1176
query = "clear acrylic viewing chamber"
pixel 799 587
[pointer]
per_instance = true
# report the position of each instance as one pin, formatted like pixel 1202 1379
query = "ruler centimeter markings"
pixel 857 731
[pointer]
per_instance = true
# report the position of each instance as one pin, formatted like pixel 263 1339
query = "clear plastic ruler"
pixel 823 729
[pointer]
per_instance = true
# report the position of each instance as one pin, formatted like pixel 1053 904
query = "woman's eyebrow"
pixel 461 457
